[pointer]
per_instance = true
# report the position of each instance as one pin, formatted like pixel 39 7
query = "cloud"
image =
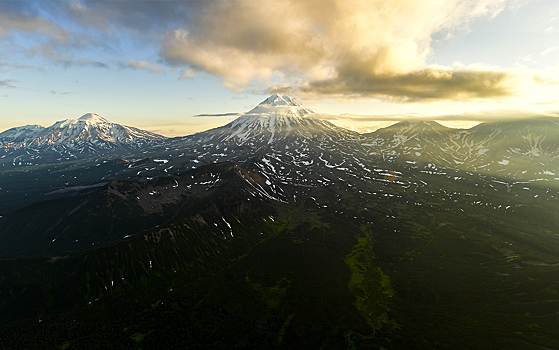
pixel 26 17
pixel 479 116
pixel 18 66
pixel 62 93
pixel 549 50
pixel 7 84
pixel 540 79
pixel 422 85
pixel 495 115
pixel 40 22
pixel 219 115
pixel 85 62
pixel 59 55
pixel 133 64
pixel 357 47
pixel 143 17
pixel 13 21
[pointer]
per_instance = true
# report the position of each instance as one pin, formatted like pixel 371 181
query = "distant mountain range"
pixel 523 149
pixel 280 138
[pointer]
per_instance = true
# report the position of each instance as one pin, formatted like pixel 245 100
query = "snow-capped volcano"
pixel 275 118
pixel 93 118
pixel 277 111
pixel 90 131
pixel 280 136
pixel 277 100
pixel 280 104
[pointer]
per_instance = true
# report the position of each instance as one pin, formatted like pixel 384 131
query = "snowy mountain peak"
pixel 280 105
pixel 274 119
pixel 89 132
pixel 93 118
pixel 277 100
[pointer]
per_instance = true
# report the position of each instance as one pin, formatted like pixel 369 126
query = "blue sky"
pixel 360 63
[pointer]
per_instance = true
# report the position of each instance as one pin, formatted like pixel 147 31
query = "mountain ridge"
pixel 123 209
pixel 90 131
pixel 296 148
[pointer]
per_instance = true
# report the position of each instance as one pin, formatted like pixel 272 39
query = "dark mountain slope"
pixel 123 209
pixel 524 150
pixel 421 261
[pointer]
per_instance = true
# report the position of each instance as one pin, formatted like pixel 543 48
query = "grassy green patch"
pixel 370 286
pixel 270 296
pixel 138 337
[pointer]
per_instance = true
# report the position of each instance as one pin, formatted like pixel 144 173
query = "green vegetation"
pixel 270 296
pixel 372 288
pixel 138 337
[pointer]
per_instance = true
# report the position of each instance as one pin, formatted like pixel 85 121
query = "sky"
pixel 362 64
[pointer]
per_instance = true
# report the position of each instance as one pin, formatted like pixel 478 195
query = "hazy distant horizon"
pixel 359 123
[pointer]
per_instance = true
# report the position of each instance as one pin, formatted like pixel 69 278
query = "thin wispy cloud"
pixel 7 84
pixel 59 93
pixel 549 50
pixel 146 18
pixel 11 22
pixel 10 65
pixel 480 116
pixel 145 65
pixel 219 115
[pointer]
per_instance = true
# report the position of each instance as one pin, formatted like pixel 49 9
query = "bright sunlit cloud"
pixel 336 47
